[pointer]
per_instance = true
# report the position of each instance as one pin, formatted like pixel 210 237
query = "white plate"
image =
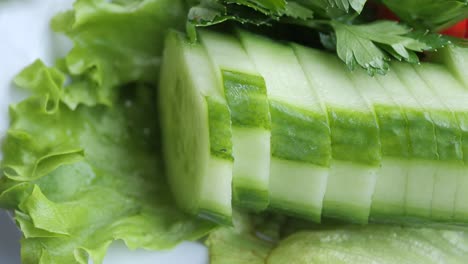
pixel 24 37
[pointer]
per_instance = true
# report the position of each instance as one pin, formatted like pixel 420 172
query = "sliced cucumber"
pixel 245 92
pixel 448 137
pixel 454 96
pixel 355 139
pixel 196 131
pixel 456 59
pixel 388 200
pixel 423 147
pixel 300 136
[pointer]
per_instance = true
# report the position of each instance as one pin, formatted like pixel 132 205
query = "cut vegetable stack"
pixel 266 125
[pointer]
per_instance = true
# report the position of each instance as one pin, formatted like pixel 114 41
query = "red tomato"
pixel 458 30
pixel 385 13
pixel 466 30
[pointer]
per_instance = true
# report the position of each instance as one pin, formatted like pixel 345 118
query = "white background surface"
pixel 24 37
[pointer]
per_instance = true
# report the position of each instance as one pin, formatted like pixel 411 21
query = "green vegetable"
pixel 229 246
pixel 299 161
pixel 245 93
pixel 449 150
pixel 381 244
pixel 196 131
pixel 388 199
pixel 82 165
pixel 359 44
pixel 356 150
pixel 456 59
pixel 115 42
pixel 80 179
pixel 449 186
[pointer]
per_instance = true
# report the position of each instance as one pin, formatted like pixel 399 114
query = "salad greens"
pixel 114 43
pixel 81 163
pixel 81 157
pixel 79 179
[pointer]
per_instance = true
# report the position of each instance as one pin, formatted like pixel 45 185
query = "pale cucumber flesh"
pixel 389 196
pixel 251 172
pixel 419 188
pixel 298 188
pixel 349 191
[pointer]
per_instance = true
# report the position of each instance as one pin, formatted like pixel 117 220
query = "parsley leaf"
pixel 265 6
pixel 359 44
pixel 368 45
pixel 357 5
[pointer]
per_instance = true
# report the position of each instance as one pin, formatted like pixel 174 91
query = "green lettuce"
pixel 115 42
pixel 80 179
pixel 242 243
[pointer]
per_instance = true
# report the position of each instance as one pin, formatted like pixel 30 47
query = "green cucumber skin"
pixel 220 134
pixel 247 100
pixel 448 134
pixel 421 131
pixel 393 131
pixel 311 140
pixel 354 136
pixel 245 196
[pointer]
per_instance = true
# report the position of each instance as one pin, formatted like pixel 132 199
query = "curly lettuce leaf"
pixel 230 247
pixel 115 43
pixel 80 179
pixel 241 243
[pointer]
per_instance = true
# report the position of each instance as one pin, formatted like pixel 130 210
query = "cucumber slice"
pixel 388 200
pixel 456 59
pixel 355 139
pixel 423 147
pixel 245 92
pixel 300 135
pixel 448 136
pixel 196 131
pixel 454 96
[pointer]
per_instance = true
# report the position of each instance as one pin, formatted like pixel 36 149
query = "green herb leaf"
pixel 265 6
pixel 345 5
pixel 359 44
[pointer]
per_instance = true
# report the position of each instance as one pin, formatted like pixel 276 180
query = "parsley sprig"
pixel 357 41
